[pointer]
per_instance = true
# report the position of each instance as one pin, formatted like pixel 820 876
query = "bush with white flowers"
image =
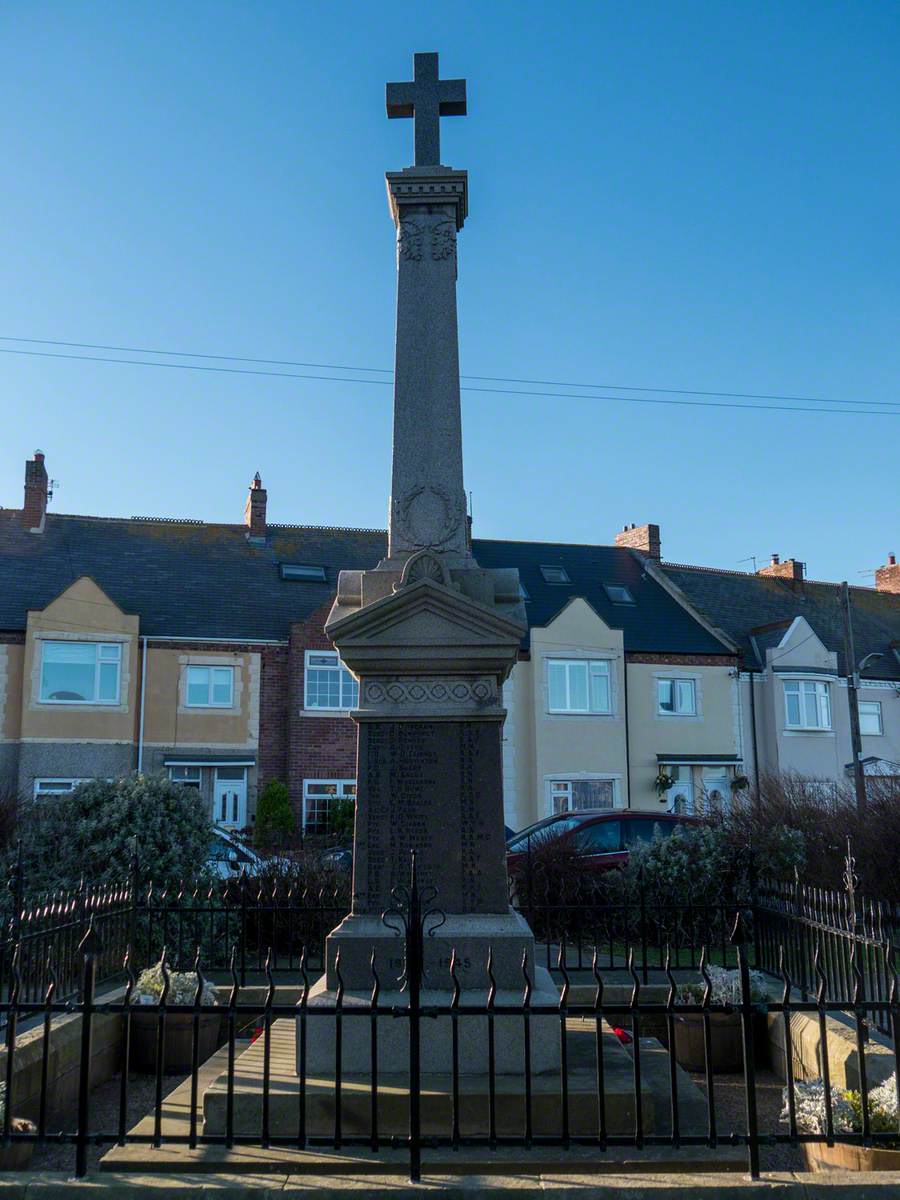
pixel 182 987
pixel 725 989
pixel 846 1107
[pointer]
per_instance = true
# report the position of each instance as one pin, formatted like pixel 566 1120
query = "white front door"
pixel 230 797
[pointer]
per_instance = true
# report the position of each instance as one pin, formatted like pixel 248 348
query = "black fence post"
pixel 739 940
pixel 89 946
pixel 133 885
pixel 412 910
pixel 242 933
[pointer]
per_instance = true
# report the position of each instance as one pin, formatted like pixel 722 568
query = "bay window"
pixel 807 704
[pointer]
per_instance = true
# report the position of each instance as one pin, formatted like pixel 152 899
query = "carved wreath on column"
pixel 426 517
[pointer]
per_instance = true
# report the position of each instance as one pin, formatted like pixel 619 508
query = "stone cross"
pixel 427 99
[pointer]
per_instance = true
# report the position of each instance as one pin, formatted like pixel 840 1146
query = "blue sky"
pixel 701 195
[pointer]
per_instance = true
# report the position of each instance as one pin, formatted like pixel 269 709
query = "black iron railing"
pixel 413 917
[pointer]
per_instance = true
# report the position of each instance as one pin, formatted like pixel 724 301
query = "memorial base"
pixel 436 1042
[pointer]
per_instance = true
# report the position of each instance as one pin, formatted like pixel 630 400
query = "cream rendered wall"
pixel 518 747
pixel 569 746
pixel 82 613
pixel 714 730
pixel 169 722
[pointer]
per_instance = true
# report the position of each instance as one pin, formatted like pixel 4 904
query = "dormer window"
pixel 553 574
pixel 304 572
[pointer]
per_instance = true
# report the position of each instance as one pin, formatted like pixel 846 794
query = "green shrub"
pixel 341 814
pixel 91 833
pixel 275 820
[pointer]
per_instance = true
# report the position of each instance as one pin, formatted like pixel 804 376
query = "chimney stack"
pixel 791 568
pixel 887 579
pixel 255 511
pixel 34 506
pixel 643 538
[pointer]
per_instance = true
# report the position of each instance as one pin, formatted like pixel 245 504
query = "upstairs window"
pixel 80 672
pixel 870 722
pixel 579 685
pixel 807 704
pixel 210 687
pixel 555 575
pixel 618 594
pixel 676 697
pixel 329 685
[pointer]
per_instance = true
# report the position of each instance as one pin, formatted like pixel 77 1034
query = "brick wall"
pixel 682 660
pixel 320 747
pixel 274 713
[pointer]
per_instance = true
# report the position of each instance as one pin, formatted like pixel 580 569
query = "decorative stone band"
pixel 429 697
pixel 431 186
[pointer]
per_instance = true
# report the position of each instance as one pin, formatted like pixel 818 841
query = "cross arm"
pixel 400 99
pixel 453 98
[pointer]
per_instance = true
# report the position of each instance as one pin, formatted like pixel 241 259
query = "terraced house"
pixel 198 649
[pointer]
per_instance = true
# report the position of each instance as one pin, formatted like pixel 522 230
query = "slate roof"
pixel 739 603
pixel 189 579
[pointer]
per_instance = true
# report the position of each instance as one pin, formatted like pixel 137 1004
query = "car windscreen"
pixel 542 832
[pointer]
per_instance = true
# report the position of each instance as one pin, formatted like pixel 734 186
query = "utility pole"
pixel 859 778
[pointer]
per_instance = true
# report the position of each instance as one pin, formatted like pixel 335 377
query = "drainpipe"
pixel 140 761
pixel 750 675
pixel 627 739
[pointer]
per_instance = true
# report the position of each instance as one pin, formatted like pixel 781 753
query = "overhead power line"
pixel 557 395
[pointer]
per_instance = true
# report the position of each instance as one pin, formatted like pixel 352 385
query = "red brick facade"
pixel 320 746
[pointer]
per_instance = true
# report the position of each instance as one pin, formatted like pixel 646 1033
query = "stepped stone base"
pixel 436 1106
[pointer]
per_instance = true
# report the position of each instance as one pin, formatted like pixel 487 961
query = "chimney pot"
pixel 887 579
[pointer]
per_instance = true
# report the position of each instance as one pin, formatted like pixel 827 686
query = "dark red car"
pixel 602 838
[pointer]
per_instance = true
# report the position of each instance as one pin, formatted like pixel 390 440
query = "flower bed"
pixel 179 1027
pixel 846 1117
pixel 726 1044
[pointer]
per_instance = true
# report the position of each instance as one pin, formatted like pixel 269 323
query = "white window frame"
pixel 674 681
pixel 875 706
pixel 210 668
pixel 340 794
pixel 99 648
pixel 563 785
pixel 335 665
pixel 59 787
pixel 801 688
pixel 591 666
pixel 191 776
